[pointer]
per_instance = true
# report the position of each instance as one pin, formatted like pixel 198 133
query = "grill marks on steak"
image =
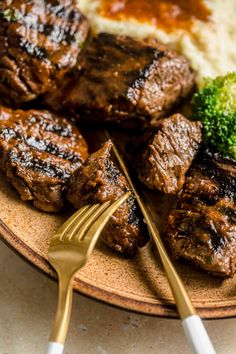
pixel 98 181
pixel 40 41
pixel 169 153
pixel 126 81
pixel 203 227
pixel 38 153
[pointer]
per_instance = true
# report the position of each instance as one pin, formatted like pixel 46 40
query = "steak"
pixel 40 41
pixel 98 181
pixel 125 81
pixel 203 227
pixel 38 153
pixel 169 153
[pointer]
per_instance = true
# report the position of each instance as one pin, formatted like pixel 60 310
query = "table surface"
pixel 27 305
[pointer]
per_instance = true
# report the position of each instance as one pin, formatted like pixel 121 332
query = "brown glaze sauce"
pixel 165 14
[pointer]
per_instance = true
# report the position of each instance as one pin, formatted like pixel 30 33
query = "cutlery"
pixel 69 250
pixel 194 329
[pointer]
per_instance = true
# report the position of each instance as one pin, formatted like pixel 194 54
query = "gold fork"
pixel 69 250
pixel 193 327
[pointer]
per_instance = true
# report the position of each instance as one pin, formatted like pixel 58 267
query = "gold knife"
pixel 193 326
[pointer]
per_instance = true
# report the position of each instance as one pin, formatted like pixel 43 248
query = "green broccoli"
pixel 215 106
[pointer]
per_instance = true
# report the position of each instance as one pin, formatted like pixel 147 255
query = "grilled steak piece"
pixel 124 81
pixel 38 153
pixel 98 181
pixel 203 227
pixel 169 153
pixel 39 42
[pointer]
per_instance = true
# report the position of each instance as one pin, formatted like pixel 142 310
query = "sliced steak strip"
pixel 40 41
pixel 203 227
pixel 125 81
pixel 98 181
pixel 169 153
pixel 38 153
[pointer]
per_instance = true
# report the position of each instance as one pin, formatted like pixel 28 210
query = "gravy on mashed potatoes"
pixel 202 30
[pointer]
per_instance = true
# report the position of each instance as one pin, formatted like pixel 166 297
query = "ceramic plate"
pixel 138 284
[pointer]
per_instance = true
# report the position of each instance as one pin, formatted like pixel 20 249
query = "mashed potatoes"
pixel 210 46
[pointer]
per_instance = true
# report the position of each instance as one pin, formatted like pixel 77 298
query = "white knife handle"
pixel 55 348
pixel 197 335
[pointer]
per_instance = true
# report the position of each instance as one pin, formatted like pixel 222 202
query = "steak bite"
pixel 203 227
pixel 169 153
pixel 40 41
pixel 98 181
pixel 38 153
pixel 126 81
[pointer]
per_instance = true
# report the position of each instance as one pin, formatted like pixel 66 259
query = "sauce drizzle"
pixel 165 14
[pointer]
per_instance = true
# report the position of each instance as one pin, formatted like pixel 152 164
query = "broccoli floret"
pixel 215 106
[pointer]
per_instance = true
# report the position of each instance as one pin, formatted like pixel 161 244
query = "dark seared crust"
pixel 98 181
pixel 125 81
pixel 40 41
pixel 38 153
pixel 203 227
pixel 169 154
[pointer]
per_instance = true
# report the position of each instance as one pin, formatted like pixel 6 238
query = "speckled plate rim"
pixel 162 309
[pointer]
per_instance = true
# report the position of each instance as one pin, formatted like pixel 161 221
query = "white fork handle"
pixel 55 348
pixel 197 335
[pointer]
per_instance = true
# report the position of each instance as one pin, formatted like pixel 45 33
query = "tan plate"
pixel 138 284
